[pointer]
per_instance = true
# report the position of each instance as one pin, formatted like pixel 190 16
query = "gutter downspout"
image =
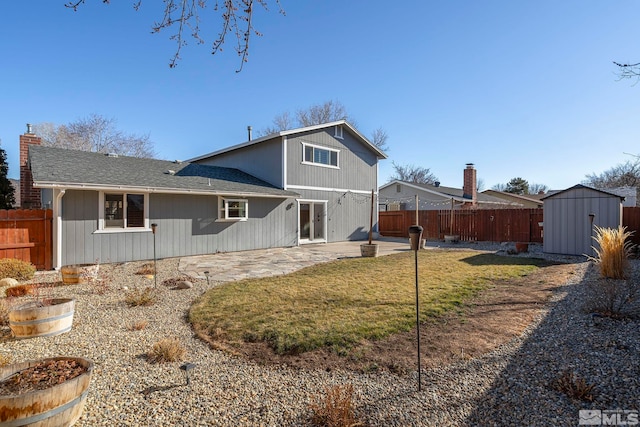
pixel 57 232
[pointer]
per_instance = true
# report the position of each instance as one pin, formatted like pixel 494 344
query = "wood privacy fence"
pixel 631 220
pixel 484 225
pixel 26 234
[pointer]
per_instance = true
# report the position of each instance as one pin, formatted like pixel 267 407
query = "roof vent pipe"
pixel 249 132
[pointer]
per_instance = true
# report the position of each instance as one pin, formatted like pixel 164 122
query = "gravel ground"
pixel 510 386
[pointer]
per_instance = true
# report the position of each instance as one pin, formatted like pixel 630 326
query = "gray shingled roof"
pixel 72 168
pixel 454 192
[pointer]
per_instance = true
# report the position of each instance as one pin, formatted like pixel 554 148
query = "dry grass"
pixel 612 251
pixel 335 409
pixel 141 297
pixel 575 387
pixel 138 325
pixel 166 350
pixel 5 360
pixel 146 268
pixel 20 290
pixel 337 305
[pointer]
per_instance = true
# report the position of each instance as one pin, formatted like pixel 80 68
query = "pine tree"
pixel 7 198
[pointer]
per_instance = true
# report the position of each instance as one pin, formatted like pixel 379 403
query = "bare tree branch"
pixel 628 71
pixel 184 15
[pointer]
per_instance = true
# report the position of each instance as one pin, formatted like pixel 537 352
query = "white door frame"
pixel 311 238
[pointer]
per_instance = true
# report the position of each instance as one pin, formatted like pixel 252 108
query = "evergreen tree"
pixel 6 189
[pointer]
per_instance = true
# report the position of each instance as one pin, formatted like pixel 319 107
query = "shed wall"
pixel 567 225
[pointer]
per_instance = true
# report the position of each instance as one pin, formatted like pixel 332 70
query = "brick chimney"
pixel 29 196
pixel 470 186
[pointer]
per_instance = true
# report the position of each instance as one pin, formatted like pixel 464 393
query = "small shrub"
pixel 574 387
pixel 138 325
pixel 166 350
pixel 613 251
pixel 141 297
pixel 335 409
pixel 16 269
pixel 19 290
pixel 146 268
pixel 172 282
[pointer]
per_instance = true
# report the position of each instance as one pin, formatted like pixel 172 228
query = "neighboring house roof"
pixel 579 186
pixel 70 169
pixel 350 128
pixel 447 192
pixel 529 199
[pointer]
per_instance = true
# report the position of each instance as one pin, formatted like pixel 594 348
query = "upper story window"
pixel 233 209
pixel 338 132
pixel 122 211
pixel 322 156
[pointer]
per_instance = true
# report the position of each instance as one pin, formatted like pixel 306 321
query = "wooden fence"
pixel 26 234
pixel 631 220
pixel 487 225
pixel 484 225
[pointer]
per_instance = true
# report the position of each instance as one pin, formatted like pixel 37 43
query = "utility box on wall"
pixel 570 216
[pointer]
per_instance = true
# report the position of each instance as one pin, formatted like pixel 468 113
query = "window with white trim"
pixel 233 209
pixel 123 210
pixel 313 154
pixel 338 132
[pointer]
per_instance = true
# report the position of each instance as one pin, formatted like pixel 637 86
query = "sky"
pixel 519 88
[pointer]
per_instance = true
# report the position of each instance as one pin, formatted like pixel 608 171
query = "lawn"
pixel 339 304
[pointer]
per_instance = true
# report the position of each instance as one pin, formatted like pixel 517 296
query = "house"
pixel 401 195
pixel 306 185
pixel 530 201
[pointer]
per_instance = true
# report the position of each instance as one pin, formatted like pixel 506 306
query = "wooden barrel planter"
pixel 79 273
pixel 369 250
pixel 37 319
pixel 58 405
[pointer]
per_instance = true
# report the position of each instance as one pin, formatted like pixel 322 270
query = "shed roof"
pixel 581 186
pixel 63 168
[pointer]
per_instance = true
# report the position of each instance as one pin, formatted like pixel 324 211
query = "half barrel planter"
pixel 79 273
pixel 36 319
pixel 59 405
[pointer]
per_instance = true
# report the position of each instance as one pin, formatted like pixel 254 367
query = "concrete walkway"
pixel 229 266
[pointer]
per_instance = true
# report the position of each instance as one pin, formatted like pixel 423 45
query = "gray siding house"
pixel 332 167
pixel 401 195
pixel 300 186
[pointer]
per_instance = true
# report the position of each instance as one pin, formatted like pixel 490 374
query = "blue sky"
pixel 519 88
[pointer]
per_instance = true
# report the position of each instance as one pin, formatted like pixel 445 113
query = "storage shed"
pixel 570 216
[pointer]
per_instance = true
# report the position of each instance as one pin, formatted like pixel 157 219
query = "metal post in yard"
pixel 415 237
pixel 155 270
